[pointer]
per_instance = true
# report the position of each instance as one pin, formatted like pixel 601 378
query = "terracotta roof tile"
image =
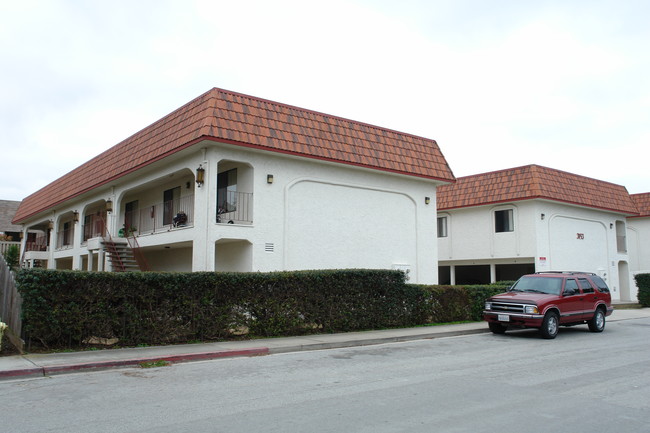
pixel 642 202
pixel 237 119
pixel 534 182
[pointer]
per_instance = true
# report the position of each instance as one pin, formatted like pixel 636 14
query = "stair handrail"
pixel 137 254
pixel 111 244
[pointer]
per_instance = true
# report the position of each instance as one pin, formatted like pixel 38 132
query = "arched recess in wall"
pixel 338 226
pixel 624 280
pixel 235 180
pixel 233 255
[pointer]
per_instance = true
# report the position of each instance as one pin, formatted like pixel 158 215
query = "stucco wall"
pixel 318 215
pixel 340 226
pixel 472 233
pixel 314 215
pixel 556 236
pixel 638 244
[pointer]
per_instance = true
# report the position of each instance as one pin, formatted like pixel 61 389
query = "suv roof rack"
pixel 566 272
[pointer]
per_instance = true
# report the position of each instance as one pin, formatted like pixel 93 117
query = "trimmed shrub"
pixel 643 283
pixel 12 255
pixel 68 308
pixel 71 309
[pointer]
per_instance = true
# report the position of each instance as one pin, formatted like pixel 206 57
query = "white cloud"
pixel 497 84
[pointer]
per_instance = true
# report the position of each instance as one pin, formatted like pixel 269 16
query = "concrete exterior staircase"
pixel 121 256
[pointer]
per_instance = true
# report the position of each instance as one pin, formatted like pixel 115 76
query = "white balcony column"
pixel 89 266
pixel 51 233
pixel 100 260
pixel 202 248
pixel 112 218
pixel 23 242
pixel 493 273
pixel 452 275
pixel 77 236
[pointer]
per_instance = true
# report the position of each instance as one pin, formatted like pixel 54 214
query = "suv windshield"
pixel 550 285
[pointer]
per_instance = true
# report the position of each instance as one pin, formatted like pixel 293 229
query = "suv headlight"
pixel 488 305
pixel 531 309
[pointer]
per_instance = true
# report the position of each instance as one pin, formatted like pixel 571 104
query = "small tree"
pixel 11 256
pixel 643 283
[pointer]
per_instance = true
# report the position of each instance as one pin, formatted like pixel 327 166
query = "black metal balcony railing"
pixel 64 238
pixel 161 216
pixel 95 229
pixel 39 244
pixel 236 208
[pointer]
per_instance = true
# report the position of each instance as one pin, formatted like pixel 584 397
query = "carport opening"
pixel 474 274
pixel 512 272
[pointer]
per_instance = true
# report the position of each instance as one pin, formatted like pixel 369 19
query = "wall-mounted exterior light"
pixel 200 176
pixel 427 200
pixel 543 216
pixel 109 206
pixel 269 178
pixel 75 216
pixel 50 224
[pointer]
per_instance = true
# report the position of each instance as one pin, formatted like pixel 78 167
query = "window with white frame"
pixel 504 221
pixel 442 227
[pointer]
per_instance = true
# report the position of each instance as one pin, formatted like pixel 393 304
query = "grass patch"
pixel 155 364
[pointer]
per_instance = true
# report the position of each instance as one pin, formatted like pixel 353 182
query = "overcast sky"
pixel 497 83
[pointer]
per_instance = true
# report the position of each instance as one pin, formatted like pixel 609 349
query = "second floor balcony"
pixel 160 217
pixel 40 243
pixel 235 208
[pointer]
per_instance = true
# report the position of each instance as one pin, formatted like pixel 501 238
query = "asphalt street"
pixel 579 382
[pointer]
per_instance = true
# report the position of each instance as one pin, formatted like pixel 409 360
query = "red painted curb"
pixel 59 369
pixel 37 371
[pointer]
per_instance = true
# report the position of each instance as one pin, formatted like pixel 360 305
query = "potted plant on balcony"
pixel 127 231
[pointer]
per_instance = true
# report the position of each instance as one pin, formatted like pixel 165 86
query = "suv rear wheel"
pixel 550 325
pixel 597 323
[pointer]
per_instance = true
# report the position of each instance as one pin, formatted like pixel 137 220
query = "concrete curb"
pixel 374 341
pixel 22 373
pixel 275 347
pixel 34 366
pixel 125 363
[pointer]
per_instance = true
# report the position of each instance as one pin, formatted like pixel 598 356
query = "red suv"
pixel 546 300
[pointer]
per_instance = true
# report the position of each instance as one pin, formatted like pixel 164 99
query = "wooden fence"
pixel 4 246
pixel 10 303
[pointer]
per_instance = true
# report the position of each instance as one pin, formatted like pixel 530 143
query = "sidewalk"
pixel 40 365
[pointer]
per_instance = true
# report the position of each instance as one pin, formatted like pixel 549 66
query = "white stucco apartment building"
pixel 231 182
pixel 497 226
pixel 638 234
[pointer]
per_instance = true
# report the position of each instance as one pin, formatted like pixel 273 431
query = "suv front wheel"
pixel 497 328
pixel 597 323
pixel 550 325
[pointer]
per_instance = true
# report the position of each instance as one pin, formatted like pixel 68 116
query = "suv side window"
pixel 585 285
pixel 602 286
pixel 571 284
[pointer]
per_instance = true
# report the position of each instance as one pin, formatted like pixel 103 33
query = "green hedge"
pixel 643 283
pixel 445 304
pixel 64 309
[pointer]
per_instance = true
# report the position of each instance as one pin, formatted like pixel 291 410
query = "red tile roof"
pixel 224 116
pixel 642 202
pixel 534 182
